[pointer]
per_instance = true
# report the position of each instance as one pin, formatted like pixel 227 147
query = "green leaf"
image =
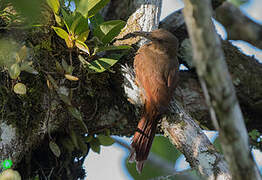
pixel 65 65
pixel 88 138
pixel 75 113
pixel 105 140
pixel 58 20
pixel 83 36
pixel 14 71
pixel 82 46
pixel 27 66
pixel 20 88
pixel 60 32
pixel 69 42
pixel 254 134
pixel 65 99
pixel 238 2
pixel 70 69
pixel 68 19
pixel 71 78
pixel 82 7
pixel 112 48
pixel 96 20
pixel 59 68
pixel 101 64
pixel 82 27
pixel 107 31
pixel 54 5
pixel 95 5
pixel 95 145
pixel 22 53
pixel 75 23
pixel 54 148
pixel 17 58
pixel 83 61
pixel 117 56
pixel 53 82
pixel 8 49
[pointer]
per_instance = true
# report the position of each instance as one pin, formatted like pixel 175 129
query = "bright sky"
pixel 109 164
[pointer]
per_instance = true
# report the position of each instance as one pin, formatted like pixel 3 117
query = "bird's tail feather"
pixel 144 136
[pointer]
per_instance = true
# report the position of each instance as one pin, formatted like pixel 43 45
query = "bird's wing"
pixel 173 76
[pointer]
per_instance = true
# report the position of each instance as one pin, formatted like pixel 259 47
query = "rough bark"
pixel 189 138
pixel 218 90
pixel 183 135
pixel 244 70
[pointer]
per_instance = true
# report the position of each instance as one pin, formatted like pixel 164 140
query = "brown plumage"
pixel 156 69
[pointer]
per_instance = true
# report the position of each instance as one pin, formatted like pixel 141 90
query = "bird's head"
pixel 158 35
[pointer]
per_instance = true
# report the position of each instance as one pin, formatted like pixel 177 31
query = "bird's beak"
pixel 137 33
pixel 142 33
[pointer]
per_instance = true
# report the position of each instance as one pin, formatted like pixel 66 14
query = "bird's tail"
pixel 144 135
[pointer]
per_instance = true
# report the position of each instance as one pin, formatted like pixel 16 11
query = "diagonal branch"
pixel 189 138
pixel 244 70
pixel 238 25
pixel 185 134
pixel 218 89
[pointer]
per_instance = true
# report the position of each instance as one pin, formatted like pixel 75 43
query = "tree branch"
pixel 190 133
pixel 244 70
pixel 185 134
pixel 189 138
pixel 218 89
pixel 238 25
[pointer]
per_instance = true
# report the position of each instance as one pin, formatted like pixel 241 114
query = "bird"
pixel 156 74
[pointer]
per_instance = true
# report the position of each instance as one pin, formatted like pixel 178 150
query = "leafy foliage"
pixel 238 2
pixel 101 64
pixel 20 88
pixel 54 148
pixel 98 140
pixel 105 140
pixel 78 31
pixel 27 9
pixel 61 62
pixel 255 137
pixel 254 134
pixel 54 4
pixel 15 62
pixel 106 31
